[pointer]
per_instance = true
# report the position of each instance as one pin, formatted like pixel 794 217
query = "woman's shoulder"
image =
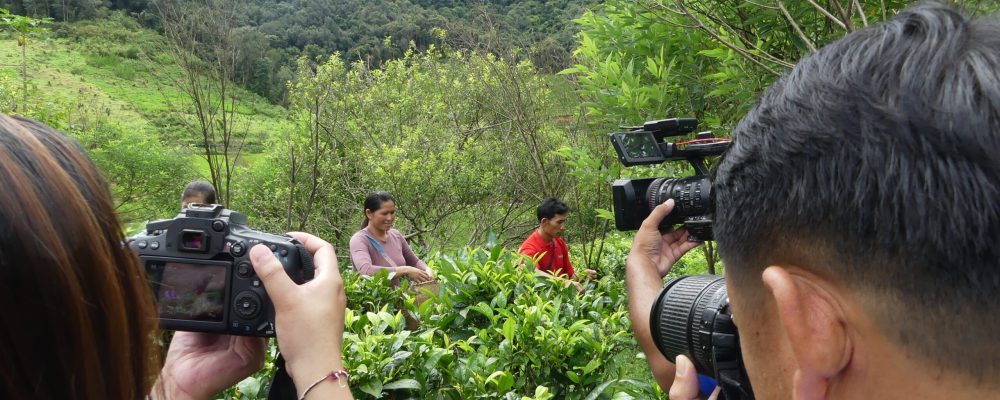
pixel 361 234
pixel 393 232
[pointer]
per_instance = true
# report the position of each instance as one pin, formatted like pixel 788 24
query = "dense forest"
pixel 278 32
pixel 470 113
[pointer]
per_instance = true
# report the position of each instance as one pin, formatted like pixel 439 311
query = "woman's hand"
pixel 200 365
pixel 309 318
pixel 415 274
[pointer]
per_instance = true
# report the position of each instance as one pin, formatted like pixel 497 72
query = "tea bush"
pixel 495 330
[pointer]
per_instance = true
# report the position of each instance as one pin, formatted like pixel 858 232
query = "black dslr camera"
pixel 691 315
pixel 198 265
pixel 635 198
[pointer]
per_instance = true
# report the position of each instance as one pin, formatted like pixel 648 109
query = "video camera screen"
pixel 194 292
pixel 640 145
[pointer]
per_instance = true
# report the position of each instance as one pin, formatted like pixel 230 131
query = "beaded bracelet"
pixel 336 375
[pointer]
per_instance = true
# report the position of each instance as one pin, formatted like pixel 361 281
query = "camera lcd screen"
pixel 640 145
pixel 194 292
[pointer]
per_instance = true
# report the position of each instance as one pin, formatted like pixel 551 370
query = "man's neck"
pixel 923 379
pixel 544 236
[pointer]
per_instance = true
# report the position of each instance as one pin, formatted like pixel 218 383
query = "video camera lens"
pixel 691 196
pixel 678 318
pixel 691 316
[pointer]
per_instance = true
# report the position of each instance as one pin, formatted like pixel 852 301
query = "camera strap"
pixel 552 256
pixel 282 387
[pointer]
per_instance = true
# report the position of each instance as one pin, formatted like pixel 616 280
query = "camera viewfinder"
pixel 194 240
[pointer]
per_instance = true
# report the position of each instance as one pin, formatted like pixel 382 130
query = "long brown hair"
pixel 77 319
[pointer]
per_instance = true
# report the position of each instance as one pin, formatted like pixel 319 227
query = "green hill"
pixel 114 69
pixel 111 84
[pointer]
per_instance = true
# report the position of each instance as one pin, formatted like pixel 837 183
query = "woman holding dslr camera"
pixel 80 322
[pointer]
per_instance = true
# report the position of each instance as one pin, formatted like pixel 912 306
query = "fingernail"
pixel 682 366
pixel 669 202
pixel 259 253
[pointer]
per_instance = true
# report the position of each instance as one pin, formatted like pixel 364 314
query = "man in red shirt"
pixel 546 245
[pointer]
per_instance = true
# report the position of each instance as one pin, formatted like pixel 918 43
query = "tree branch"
pixel 795 25
pixel 861 11
pixel 744 53
pixel 829 15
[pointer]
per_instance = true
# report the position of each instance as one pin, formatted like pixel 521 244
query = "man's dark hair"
pixel 875 162
pixel 201 189
pixel 550 207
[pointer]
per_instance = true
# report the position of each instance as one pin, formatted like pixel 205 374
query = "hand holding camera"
pixel 310 316
pixel 199 268
pixel 658 249
pixel 690 316
pixel 200 364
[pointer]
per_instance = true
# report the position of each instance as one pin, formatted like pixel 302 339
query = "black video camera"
pixel 691 315
pixel 635 198
pixel 198 265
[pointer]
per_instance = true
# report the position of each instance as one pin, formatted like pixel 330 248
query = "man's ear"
pixel 812 315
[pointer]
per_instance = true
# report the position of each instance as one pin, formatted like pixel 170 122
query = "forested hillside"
pixel 278 32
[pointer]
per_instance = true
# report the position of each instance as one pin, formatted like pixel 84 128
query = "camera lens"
pixel 683 318
pixel 691 196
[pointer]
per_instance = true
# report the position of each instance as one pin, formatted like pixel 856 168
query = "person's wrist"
pixel 166 389
pixel 305 373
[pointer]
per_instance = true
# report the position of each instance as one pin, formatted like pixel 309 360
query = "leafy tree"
pixel 208 45
pixel 24 27
pixel 641 60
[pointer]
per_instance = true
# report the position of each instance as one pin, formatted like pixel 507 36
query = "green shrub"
pixel 495 331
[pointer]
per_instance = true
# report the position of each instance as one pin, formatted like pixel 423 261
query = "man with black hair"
pixel 198 192
pixel 547 245
pixel 858 215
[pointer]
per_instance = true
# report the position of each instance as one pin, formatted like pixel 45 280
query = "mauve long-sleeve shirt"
pixel 367 260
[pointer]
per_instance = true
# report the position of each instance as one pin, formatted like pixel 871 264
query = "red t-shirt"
pixel 534 245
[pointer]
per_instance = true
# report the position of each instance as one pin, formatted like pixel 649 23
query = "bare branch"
pixel 844 16
pixel 830 16
pixel 762 5
pixel 861 11
pixel 795 25
pixel 744 53
pixel 746 41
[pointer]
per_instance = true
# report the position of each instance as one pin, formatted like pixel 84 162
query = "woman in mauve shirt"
pixel 380 213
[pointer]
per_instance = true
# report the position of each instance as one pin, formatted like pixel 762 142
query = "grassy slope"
pixel 115 71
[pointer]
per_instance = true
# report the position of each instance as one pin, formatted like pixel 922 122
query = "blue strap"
pixel 381 252
pixel 377 246
pixel 706 384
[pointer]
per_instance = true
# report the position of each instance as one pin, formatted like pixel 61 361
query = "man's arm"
pixel 643 284
pixel 652 256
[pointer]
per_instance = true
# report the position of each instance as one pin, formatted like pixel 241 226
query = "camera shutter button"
pixel 238 249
